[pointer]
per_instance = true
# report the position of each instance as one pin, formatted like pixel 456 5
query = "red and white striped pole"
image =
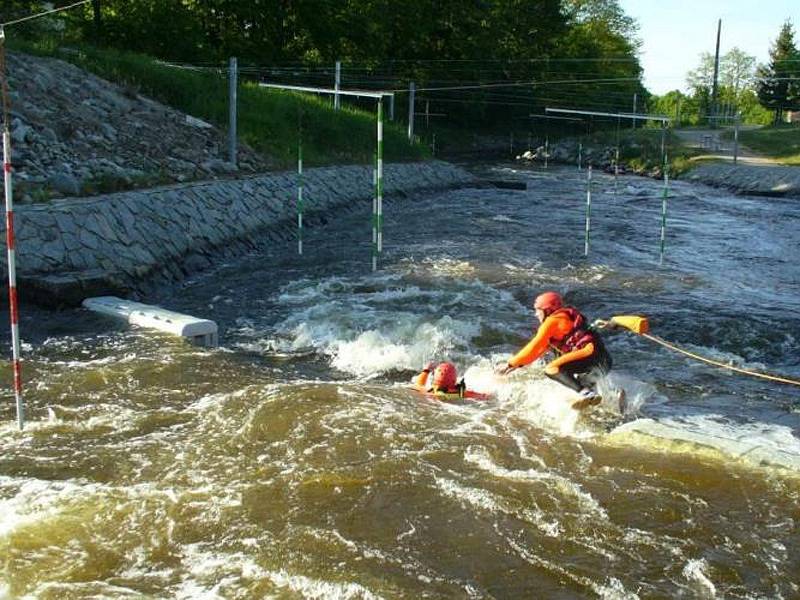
pixel 12 275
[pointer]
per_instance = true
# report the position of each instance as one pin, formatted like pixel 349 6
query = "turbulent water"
pixel 295 462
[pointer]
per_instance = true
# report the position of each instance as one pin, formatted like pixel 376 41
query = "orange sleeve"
pixel 421 379
pixel 557 325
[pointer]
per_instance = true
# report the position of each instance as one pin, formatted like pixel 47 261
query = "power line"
pixel 43 14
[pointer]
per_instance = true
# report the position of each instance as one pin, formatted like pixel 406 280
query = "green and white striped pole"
pixel 300 196
pixel 664 210
pixel 379 184
pixel 616 158
pixel 588 209
pixel 580 155
pixel 375 210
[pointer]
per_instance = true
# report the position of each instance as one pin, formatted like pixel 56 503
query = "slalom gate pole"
pixel 10 240
pixel 300 196
pixel 616 159
pixel 375 211
pixel 588 209
pixel 580 155
pixel 379 184
pixel 664 211
pixel 12 276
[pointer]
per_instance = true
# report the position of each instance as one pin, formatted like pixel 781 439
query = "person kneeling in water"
pixel 442 382
pixel 581 354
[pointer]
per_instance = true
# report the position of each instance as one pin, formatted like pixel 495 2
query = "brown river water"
pixel 294 461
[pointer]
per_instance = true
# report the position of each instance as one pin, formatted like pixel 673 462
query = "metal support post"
pixel 232 88
pixel 411 89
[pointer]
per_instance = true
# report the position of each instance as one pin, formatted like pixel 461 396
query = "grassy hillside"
pixel 781 143
pixel 268 119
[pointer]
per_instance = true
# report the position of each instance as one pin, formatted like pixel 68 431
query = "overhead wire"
pixel 43 14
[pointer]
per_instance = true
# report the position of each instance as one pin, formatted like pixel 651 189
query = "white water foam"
pixel 368 326
pixel 696 571
pixel 311 588
pixel 756 443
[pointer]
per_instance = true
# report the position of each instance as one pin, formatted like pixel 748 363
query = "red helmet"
pixel 444 377
pixel 548 302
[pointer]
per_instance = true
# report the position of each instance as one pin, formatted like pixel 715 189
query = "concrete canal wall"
pixel 755 180
pixel 71 249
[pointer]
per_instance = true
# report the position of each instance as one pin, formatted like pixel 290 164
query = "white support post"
pixel 411 90
pixel 232 101
pixel 337 85
pixel 546 150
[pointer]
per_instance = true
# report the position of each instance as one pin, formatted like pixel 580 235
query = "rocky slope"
pixel 76 134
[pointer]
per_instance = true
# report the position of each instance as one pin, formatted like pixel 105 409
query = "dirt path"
pixel 717 148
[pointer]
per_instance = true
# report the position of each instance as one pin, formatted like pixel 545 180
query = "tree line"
pixel 758 94
pixel 510 58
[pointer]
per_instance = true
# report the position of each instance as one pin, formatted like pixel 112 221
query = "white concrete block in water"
pixel 198 331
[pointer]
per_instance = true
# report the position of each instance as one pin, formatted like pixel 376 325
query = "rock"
pixel 65 183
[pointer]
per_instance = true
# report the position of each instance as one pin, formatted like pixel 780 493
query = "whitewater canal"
pixel 294 462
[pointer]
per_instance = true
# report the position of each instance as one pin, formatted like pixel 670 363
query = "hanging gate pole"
pixel 300 195
pixel 664 210
pixel 12 276
pixel 588 210
pixel 379 183
pixel 375 210
pixel 10 241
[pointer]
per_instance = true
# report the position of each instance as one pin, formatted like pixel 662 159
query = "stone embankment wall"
pixel 71 249
pixel 760 180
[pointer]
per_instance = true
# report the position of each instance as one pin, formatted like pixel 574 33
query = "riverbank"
pixel 121 243
pixel 753 180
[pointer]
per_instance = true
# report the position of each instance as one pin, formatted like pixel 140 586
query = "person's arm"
pixel 421 380
pixel 534 348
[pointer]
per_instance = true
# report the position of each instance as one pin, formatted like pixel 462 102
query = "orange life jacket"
pixel 578 336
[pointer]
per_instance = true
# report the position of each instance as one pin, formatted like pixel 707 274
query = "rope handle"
pixel 640 327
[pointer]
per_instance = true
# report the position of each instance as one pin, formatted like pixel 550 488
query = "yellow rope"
pixel 716 363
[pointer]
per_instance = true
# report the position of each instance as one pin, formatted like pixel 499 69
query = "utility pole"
pixel 714 88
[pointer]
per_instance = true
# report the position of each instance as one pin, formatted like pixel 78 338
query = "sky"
pixel 675 32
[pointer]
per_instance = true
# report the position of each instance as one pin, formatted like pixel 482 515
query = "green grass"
pixel 640 149
pixel 781 142
pixel 268 119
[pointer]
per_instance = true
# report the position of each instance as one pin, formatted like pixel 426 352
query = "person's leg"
pixel 566 368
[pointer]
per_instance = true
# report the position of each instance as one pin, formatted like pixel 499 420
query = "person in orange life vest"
pixel 442 381
pixel 581 354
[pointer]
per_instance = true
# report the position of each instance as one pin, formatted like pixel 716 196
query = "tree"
pixel 737 70
pixel 779 82
pixel 703 75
